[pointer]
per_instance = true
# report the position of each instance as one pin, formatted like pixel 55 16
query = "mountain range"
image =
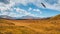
pixel 24 17
pixel 28 17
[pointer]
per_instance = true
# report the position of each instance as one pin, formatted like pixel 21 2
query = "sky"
pixel 20 8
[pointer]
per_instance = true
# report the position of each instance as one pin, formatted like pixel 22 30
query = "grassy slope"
pixel 50 26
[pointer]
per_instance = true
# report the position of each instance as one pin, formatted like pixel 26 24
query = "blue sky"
pixel 20 8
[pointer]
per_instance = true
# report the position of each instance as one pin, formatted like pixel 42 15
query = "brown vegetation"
pixel 45 26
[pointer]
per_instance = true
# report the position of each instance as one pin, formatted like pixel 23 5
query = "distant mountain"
pixel 29 17
pixel 24 17
pixel 6 17
pixel 18 18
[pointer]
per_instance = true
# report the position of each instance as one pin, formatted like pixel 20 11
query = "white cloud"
pixel 37 10
pixel 3 13
pixel 23 12
pixel 36 2
pixel 55 6
pixel 5 8
pixel 8 7
pixel 30 9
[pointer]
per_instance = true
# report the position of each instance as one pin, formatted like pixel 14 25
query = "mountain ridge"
pixel 29 17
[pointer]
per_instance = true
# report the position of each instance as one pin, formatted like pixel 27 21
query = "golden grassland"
pixel 45 26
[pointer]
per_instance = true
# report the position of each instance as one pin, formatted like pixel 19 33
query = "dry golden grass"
pixel 48 26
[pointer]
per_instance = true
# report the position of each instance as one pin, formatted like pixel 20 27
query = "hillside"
pixel 45 26
pixel 56 17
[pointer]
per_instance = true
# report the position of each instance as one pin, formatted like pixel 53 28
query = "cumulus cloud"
pixel 4 7
pixel 51 1
pixel 51 4
pixel 30 9
pixel 8 10
pixel 7 6
pixel 5 1
pixel 37 10
pixel 21 11
pixel 16 12
pixel 24 12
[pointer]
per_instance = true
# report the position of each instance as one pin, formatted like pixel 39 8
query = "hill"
pixel 56 17
pixel 45 26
